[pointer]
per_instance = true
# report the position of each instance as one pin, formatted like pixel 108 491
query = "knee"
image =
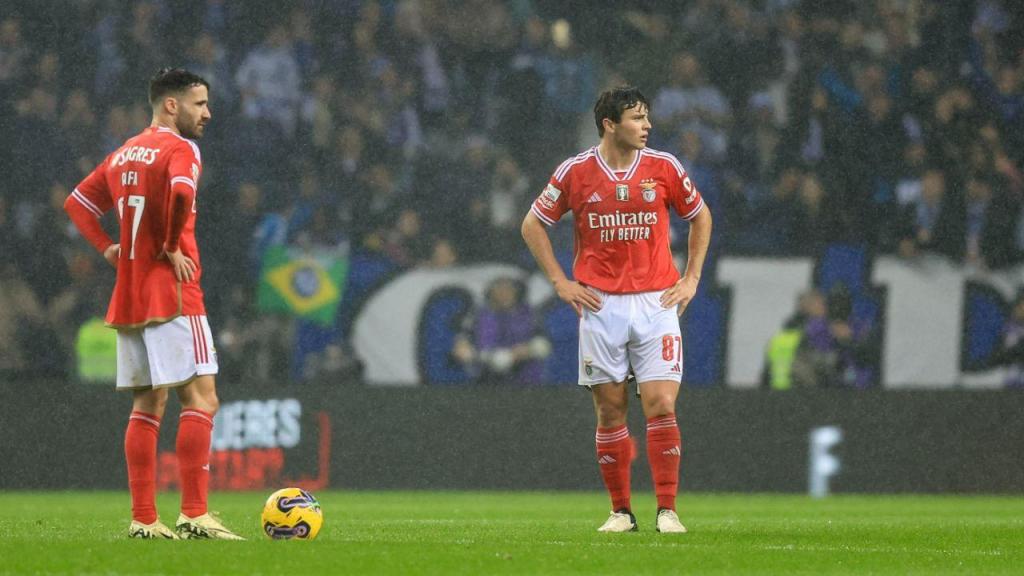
pixel 151 402
pixel 160 403
pixel 205 400
pixel 611 414
pixel 659 404
pixel 212 403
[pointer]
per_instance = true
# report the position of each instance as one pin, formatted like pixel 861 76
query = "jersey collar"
pixel 611 173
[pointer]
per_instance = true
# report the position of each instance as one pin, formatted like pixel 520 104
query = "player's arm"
pixel 688 203
pixel 89 201
pixel 685 288
pixel 535 235
pixel 183 194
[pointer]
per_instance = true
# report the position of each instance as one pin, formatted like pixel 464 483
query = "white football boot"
pixel 205 527
pixel 668 521
pixel 155 531
pixel 619 522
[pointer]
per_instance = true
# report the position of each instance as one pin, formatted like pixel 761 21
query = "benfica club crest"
pixel 622 192
pixel 649 193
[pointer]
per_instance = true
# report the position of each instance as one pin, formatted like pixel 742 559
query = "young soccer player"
pixel 163 338
pixel 626 290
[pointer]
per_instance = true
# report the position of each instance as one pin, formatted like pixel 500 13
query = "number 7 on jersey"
pixel 139 204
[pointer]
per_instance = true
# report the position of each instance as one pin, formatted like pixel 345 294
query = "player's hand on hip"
pixel 111 254
pixel 578 296
pixel 184 267
pixel 679 295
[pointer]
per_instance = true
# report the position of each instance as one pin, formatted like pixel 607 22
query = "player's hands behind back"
pixel 184 267
pixel 577 295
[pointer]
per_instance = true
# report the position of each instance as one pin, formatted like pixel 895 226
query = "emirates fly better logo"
pixel 623 226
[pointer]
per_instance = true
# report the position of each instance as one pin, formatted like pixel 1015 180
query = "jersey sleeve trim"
pixel 87 203
pixel 693 213
pixel 540 215
pixel 184 180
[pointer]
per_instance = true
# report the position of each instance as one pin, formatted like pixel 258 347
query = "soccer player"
pixel 163 338
pixel 626 289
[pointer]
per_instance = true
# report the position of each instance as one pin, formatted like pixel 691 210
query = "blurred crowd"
pixel 416 133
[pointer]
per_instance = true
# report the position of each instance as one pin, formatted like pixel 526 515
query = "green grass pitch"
pixel 529 533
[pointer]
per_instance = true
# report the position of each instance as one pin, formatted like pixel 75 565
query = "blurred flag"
pixel 302 283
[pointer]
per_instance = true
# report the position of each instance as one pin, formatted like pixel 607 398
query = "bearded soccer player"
pixel 626 289
pixel 163 337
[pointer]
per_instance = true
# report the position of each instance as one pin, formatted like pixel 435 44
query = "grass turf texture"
pixel 528 533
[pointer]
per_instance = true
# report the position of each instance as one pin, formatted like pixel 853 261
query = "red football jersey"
pixel 621 219
pixel 137 179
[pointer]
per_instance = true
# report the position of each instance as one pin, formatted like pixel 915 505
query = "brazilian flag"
pixel 305 284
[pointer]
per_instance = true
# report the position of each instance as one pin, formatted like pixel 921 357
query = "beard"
pixel 190 130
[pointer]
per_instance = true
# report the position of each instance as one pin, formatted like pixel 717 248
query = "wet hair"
pixel 612 103
pixel 173 81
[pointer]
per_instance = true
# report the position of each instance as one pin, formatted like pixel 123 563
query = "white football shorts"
pixel 165 355
pixel 630 330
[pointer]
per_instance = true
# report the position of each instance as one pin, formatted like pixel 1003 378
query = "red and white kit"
pixel 622 252
pixel 163 335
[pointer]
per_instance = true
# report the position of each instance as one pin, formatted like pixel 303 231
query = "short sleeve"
pixel 93 192
pixel 551 204
pixel 682 192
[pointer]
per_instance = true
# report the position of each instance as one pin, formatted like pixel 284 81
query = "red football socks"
pixel 614 453
pixel 663 452
pixel 193 448
pixel 140 439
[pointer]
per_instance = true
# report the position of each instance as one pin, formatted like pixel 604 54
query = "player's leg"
pixel 199 404
pixel 181 356
pixel 614 452
pixel 663 441
pixel 141 434
pixel 657 359
pixel 195 430
pixel 603 367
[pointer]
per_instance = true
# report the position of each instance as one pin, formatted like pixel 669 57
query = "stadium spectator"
pixel 443 254
pixel 402 242
pixel 569 74
pixel 932 222
pixel 209 58
pixel 79 128
pixel 22 325
pixel 812 219
pixel 418 55
pixel 14 57
pixel 853 338
pixel 790 361
pixel 80 300
pixel 270 83
pixel 375 203
pixel 690 103
pixel 22 315
pixel 503 344
pixel 991 220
